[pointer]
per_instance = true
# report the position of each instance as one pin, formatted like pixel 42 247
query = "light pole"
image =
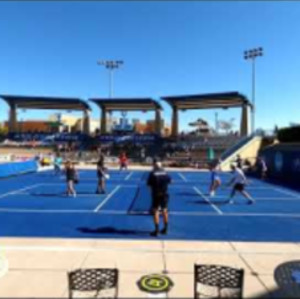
pixel 252 54
pixel 111 65
pixel 217 123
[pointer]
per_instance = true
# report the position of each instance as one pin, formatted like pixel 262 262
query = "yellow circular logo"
pixel 155 283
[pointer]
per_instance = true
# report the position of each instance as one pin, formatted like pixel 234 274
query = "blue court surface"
pixel 35 205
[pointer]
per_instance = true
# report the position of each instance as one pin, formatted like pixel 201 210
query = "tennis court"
pixel 35 205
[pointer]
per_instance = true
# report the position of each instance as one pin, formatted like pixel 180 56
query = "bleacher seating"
pixel 194 151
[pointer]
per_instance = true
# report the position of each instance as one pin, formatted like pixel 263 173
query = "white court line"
pixel 208 201
pixel 114 212
pixel 12 210
pixel 19 190
pixel 264 198
pixel 62 211
pixel 124 212
pixel 111 180
pixel 106 199
pixel 182 176
pixel 128 176
pixel 277 199
pixel 88 184
pixel 80 195
pixel 287 215
pixel 179 187
pixel 258 188
pixel 286 192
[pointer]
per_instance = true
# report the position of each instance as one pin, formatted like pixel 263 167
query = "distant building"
pixel 55 123
pixel 65 122
pixel 135 121
pixel 149 127
pixel 111 122
pixel 68 123
pixel 94 125
pixel 35 126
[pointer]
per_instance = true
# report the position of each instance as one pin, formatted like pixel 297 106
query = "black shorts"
pixel 101 178
pixel 70 178
pixel 100 175
pixel 160 201
pixel 239 187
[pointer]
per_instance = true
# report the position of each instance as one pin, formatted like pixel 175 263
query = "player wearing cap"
pixel 71 178
pixel 123 161
pixel 101 174
pixel 158 181
pixel 215 178
pixel 57 164
pixel 239 162
pixel 262 168
pixel 239 181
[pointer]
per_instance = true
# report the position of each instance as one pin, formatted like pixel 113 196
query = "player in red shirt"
pixel 123 161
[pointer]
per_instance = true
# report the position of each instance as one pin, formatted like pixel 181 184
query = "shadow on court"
pixel 112 230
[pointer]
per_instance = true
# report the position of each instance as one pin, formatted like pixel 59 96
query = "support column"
pixel 244 121
pixel 12 118
pixel 86 122
pixel 103 120
pixel 174 128
pixel 158 122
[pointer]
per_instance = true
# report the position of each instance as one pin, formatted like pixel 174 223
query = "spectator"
pixel 239 162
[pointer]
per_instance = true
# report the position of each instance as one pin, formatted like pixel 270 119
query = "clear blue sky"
pixel 169 48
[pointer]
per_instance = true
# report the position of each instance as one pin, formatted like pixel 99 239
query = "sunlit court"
pixel 36 205
pixel 149 149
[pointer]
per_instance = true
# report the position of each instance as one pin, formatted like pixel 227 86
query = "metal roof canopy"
pixel 208 101
pixel 127 104
pixel 37 102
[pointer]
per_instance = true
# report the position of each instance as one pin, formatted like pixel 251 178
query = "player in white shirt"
pixel 239 181
pixel 215 178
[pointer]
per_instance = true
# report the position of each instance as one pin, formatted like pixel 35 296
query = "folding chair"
pixel 96 283
pixel 216 281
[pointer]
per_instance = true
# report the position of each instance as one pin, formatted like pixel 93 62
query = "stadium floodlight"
pixel 111 65
pixel 251 55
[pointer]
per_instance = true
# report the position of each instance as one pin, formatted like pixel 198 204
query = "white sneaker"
pixel 231 202
pixel 74 195
pixel 212 193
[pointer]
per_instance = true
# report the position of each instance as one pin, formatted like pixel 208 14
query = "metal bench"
pixel 216 281
pixel 96 283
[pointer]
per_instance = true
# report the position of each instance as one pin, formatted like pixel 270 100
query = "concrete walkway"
pixel 38 267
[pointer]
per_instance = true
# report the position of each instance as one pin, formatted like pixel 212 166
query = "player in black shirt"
pixel 158 181
pixel 71 178
pixel 101 174
pixel 239 162
pixel 101 158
